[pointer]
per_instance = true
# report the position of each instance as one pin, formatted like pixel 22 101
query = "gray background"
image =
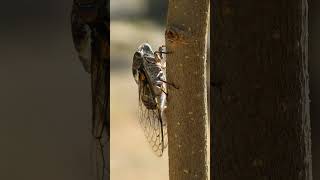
pixel 44 95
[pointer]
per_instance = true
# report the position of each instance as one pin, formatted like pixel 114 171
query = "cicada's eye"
pixel 137 55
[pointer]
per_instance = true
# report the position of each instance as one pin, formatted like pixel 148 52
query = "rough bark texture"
pixel 260 113
pixel 187 106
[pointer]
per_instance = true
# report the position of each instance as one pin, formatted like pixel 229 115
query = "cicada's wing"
pixel 152 122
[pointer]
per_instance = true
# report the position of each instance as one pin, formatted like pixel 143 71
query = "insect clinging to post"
pixel 148 70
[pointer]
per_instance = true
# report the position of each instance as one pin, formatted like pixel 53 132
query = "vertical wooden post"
pixel 260 119
pixel 187 117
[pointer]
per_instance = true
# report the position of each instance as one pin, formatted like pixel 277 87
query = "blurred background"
pixel 133 22
pixel 45 103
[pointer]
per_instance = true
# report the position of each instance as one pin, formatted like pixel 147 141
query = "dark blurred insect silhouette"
pixel 91 37
pixel 148 70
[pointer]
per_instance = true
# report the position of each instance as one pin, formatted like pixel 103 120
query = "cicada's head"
pixel 145 49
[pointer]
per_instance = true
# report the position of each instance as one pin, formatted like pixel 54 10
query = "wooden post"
pixel 187 115
pixel 260 119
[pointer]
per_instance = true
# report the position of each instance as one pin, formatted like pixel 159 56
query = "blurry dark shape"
pixel 314 67
pixel 90 27
pixel 81 35
pixel 44 107
pixel 260 93
pixel 36 11
pixel 157 10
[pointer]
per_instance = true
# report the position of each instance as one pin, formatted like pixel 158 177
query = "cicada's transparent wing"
pixel 152 122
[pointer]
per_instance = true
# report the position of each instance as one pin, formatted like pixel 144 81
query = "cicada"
pixel 148 70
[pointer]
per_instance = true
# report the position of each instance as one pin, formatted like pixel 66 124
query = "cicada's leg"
pixel 163 65
pixel 171 84
pixel 161 51
pixel 164 91
pixel 159 87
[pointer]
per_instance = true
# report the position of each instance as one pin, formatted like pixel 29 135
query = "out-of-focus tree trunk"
pixel 100 82
pixel 314 55
pixel 90 18
pixel 186 114
pixel 260 119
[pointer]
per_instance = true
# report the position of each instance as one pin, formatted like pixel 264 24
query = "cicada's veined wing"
pixel 151 119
